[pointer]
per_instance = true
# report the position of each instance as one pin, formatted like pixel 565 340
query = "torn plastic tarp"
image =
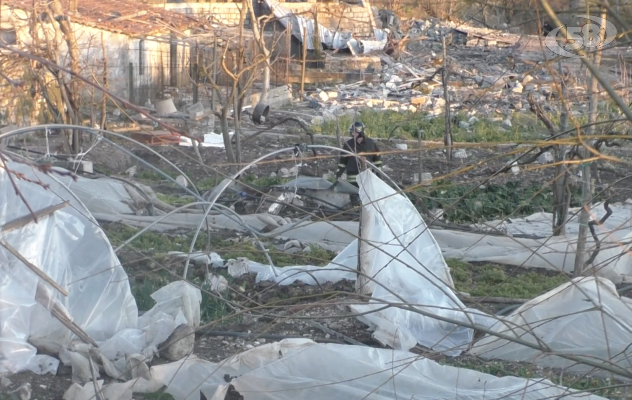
pixel 405 265
pixel 614 260
pixel 402 257
pixel 333 40
pixel 585 318
pixel 70 247
pixel 342 267
pixel 300 369
pixel 72 250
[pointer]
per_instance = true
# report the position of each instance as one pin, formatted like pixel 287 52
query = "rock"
pixel 506 124
pixel 515 169
pixel 517 88
pixel 438 103
pixel 472 120
pixel 546 158
pixel 460 153
pixel 179 344
pixel 419 100
pixel 182 181
pixel 323 96
pixel 516 105
pixel 463 125
pixel 402 146
pixel 116 113
pixel 426 179
pixel 238 267
pixel 527 79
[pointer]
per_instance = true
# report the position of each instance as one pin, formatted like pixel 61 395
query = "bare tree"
pixel 242 71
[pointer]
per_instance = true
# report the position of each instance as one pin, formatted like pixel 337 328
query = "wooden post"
pixel 195 75
pixel 131 84
pixel 288 44
pixel 214 73
pixel 447 137
pixel 304 61
pixel 421 167
pixel 316 35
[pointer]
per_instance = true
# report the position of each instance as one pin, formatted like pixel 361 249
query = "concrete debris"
pixel 546 158
pixel 179 344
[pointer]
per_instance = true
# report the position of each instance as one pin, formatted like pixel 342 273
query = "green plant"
pixel 492 201
pixel 498 281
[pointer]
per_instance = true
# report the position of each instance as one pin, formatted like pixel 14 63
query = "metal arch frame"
pixel 196 194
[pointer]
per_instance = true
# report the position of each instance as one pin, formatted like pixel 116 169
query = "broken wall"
pixel 336 16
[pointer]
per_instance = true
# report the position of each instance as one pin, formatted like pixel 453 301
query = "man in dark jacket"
pixel 359 144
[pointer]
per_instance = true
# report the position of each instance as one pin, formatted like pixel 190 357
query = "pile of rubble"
pixel 493 83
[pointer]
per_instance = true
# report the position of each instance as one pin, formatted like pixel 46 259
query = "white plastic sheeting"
pixel 71 249
pixel 584 317
pixel 343 266
pixel 405 265
pixel 299 369
pixel 614 261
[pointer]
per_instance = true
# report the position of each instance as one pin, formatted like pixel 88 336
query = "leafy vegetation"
pixel 491 201
pixel 406 125
pixel 495 281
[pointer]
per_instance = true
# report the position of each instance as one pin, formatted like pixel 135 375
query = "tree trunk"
pixel 71 96
pixel 593 92
pixel 223 120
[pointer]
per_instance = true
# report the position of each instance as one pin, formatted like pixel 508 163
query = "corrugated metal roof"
pixel 126 17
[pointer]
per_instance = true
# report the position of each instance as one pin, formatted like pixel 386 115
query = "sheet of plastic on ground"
pixel 406 266
pixel 614 260
pixel 71 249
pixel 298 369
pixel 584 318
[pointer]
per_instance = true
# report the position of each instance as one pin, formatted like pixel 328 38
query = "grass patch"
pixel 494 281
pixel 405 125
